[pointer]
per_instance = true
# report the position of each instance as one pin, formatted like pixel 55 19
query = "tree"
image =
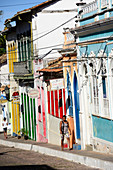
pixel 2 44
pixel 2 41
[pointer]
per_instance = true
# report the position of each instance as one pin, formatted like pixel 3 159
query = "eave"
pixel 95 27
pixel 71 51
pixel 50 70
pixel 24 76
pixel 29 10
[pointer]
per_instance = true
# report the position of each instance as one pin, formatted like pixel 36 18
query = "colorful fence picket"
pixel 56 103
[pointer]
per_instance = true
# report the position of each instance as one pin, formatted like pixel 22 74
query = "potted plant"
pixel 24 133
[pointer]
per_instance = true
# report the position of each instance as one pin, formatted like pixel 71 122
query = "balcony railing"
pixel 90 7
pixel 22 68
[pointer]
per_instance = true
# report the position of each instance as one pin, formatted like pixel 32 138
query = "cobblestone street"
pixel 14 159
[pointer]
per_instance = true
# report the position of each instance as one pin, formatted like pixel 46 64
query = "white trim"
pixel 33 118
pixel 24 111
pixel 96 39
pixel 63 102
pixel 16 117
pixel 58 104
pixel 74 112
pixel 27 112
pixel 30 117
pixel 54 103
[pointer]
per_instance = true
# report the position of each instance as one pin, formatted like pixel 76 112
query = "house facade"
pixel 48 22
pixel 4 104
pixel 47 42
pixel 94 54
pixel 36 61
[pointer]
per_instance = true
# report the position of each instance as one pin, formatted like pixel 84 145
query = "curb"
pixel 85 160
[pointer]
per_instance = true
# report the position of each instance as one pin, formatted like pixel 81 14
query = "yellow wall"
pixel 12 56
pixel 69 61
pixel 15 116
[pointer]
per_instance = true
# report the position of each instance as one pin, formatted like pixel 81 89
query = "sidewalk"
pixel 89 158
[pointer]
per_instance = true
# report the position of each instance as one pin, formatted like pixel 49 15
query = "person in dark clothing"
pixel 4 124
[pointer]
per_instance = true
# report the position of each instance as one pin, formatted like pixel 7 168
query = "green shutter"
pixel 19 51
pixel 29 124
pixel 32 118
pixel 22 51
pixel 29 53
pixel 25 54
pixel 25 112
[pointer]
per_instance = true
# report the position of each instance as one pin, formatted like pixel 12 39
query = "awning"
pixel 3 99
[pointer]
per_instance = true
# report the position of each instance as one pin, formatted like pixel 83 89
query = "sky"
pixel 11 7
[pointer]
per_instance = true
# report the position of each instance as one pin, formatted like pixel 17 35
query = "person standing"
pixel 4 124
pixel 64 131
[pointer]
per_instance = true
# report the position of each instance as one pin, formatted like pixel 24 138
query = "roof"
pixel 54 66
pixel 56 61
pixel 56 70
pixel 29 10
pixel 96 23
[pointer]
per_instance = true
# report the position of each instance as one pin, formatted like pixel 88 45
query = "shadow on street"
pixel 27 167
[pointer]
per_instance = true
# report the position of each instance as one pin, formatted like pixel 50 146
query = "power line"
pixel 12 52
pixel 50 30
pixel 5 6
pixel 29 59
pixel 54 29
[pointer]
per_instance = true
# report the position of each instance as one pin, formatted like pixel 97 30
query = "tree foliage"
pixel 2 44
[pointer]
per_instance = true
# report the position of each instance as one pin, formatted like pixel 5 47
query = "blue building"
pixel 94 38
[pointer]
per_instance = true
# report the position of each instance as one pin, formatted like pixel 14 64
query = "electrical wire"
pixel 8 5
pixel 55 28
pixel 16 58
pixel 50 30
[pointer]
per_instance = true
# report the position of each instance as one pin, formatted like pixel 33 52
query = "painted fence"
pixel 29 115
pixel 57 103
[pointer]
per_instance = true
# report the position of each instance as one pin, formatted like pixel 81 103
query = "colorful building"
pixel 94 54
pixel 20 68
pixel 70 73
pixel 11 47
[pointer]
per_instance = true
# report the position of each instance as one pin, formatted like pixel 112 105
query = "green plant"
pixel 23 132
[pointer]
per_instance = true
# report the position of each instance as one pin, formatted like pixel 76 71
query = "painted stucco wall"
pixel 103 128
pixel 45 22
pixel 4 75
pixel 4 82
pixel 54 130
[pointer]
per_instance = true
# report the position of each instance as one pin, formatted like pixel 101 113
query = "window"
pixel 95 94
pixel 25 53
pixel 22 51
pixel 19 51
pixel 105 97
pixel 104 3
pixel 104 87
